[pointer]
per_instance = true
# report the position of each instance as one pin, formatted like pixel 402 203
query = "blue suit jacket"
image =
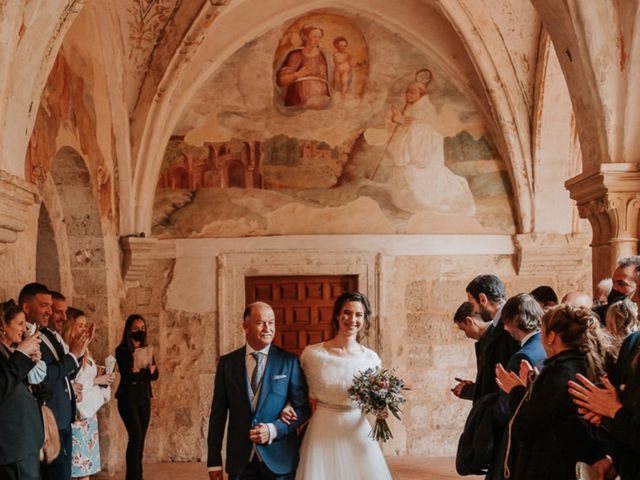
pixel 282 382
pixel 533 352
pixel 62 402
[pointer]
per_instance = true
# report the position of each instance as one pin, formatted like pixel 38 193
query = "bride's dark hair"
pixel 338 306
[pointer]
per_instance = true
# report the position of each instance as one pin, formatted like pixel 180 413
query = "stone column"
pixel 610 199
pixel 16 197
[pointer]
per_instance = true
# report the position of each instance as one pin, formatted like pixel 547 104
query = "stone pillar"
pixel 610 199
pixel 16 197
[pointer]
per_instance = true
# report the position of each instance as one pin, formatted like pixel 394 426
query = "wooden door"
pixel 303 305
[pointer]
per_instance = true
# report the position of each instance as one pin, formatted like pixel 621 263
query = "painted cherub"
pixel 342 63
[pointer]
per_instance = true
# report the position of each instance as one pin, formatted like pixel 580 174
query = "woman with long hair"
pixel 85 451
pixel 22 432
pixel 544 421
pixel 621 320
pixel 337 443
pixel 134 392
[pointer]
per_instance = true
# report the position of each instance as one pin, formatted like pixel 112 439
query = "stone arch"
pixel 499 96
pixel 85 258
pixel 78 219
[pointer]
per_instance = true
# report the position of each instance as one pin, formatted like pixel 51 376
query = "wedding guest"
pixel 134 392
pixel 474 327
pixel 577 299
pixel 85 453
pixel 58 313
pixel 36 300
pixel 621 320
pixel 602 291
pixel 22 433
pixel 487 295
pixel 615 410
pixel 624 283
pixel 521 316
pixel 545 296
pixel 551 436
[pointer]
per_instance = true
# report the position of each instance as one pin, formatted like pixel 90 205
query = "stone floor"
pixel 402 468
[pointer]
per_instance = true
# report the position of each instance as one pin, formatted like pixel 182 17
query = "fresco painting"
pixel 320 59
pixel 379 141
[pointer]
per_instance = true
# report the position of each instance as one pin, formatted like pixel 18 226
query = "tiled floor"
pixel 402 468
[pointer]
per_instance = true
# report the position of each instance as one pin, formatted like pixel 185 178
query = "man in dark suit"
pixel 62 365
pixel 21 434
pixel 487 295
pixel 252 386
pixel 474 327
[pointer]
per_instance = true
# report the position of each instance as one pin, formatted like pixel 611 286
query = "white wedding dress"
pixel 337 445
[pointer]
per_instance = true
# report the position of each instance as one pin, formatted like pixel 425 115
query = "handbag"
pixel 51 445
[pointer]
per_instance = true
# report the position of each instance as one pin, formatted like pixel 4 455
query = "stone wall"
pixel 192 298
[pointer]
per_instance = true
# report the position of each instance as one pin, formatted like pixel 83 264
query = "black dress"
pixel 625 426
pixel 551 437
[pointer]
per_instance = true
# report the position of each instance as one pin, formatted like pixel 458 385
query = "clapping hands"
pixel 594 402
pixel 507 381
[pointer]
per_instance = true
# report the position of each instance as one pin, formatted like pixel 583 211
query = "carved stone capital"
pixel 552 253
pixel 16 197
pixel 610 199
pixel 138 253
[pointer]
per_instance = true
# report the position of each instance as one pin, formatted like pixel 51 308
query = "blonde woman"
pixel 85 453
pixel 621 320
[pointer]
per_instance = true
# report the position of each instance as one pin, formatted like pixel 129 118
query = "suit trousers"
pixel 26 469
pixel 135 410
pixel 60 468
pixel 257 470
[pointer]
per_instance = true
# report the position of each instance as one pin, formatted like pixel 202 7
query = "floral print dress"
pixel 85 451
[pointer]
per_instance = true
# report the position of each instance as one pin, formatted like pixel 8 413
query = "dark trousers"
pixel 60 468
pixel 26 469
pixel 257 470
pixel 135 410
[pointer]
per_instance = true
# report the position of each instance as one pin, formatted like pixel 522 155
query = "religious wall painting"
pixel 410 153
pixel 320 59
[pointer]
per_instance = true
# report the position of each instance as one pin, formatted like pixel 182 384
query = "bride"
pixel 336 444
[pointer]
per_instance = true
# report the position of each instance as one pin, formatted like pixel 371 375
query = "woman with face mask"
pixel 134 392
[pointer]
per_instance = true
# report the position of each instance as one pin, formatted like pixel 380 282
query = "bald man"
pixel 577 299
pixel 252 386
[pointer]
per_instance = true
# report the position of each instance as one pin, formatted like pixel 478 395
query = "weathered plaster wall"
pixel 192 295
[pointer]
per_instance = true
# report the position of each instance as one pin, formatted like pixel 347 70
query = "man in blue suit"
pixel 62 365
pixel 252 386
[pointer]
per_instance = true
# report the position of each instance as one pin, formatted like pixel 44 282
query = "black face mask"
pixel 615 296
pixel 138 336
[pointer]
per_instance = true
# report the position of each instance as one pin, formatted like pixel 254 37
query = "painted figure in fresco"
pixel 419 178
pixel 342 66
pixel 305 72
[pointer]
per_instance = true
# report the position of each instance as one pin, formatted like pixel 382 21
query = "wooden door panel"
pixel 303 305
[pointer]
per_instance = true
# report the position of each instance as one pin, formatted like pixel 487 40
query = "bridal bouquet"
pixel 378 391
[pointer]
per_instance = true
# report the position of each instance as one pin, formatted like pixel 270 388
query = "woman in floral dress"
pixel 85 453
